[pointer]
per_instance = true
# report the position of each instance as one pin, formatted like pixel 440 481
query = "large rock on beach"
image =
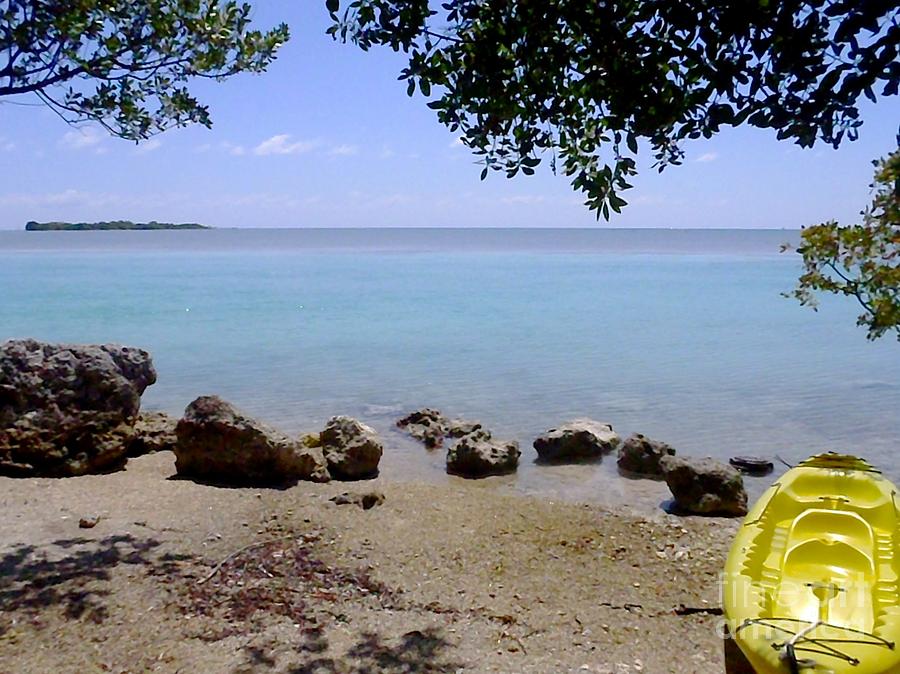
pixel 352 449
pixel 478 455
pixel 640 456
pixel 705 486
pixel 217 443
pixel 68 409
pixel 153 432
pixel 575 440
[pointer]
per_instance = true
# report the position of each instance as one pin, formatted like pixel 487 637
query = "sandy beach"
pixel 181 577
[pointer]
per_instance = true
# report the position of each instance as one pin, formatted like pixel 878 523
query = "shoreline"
pixel 470 579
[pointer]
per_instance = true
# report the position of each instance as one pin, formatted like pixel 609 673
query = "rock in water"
pixel 426 425
pixel 752 465
pixel 477 455
pixel 576 439
pixel 456 428
pixel 217 443
pixel 640 456
pixel 68 409
pixel 153 432
pixel 430 427
pixel 705 486
pixel 352 449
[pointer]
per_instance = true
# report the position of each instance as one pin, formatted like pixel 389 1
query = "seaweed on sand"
pixel 280 577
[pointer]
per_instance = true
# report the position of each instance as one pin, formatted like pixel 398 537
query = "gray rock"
pixel 430 436
pixel 352 449
pixel 426 425
pixel 153 432
pixel 68 409
pixel 365 501
pixel 576 439
pixel 426 415
pixel 456 428
pixel 640 456
pixel 752 465
pixel 217 443
pixel 705 486
pixel 477 455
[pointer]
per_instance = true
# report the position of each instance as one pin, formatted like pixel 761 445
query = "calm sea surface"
pixel 681 335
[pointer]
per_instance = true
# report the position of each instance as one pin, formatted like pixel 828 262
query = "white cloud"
pixel 6 145
pixel 282 144
pixel 387 152
pixel 82 139
pixel 458 142
pixel 707 157
pixel 149 146
pixel 344 151
pixel 231 148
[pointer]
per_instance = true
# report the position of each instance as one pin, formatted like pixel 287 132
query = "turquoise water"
pixel 681 335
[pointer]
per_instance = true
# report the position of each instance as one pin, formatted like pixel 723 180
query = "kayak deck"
pixel 814 570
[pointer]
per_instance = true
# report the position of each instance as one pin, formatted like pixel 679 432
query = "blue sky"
pixel 328 138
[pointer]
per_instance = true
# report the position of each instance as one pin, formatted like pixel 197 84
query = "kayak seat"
pixel 835 558
pixel 833 526
pixel 828 569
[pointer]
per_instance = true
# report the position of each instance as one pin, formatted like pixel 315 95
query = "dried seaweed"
pixel 284 577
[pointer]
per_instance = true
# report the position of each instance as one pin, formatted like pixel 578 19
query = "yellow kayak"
pixel 810 584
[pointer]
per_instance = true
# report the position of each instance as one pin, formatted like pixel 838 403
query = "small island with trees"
pixel 33 226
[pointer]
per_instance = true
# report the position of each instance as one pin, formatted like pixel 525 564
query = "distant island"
pixel 33 226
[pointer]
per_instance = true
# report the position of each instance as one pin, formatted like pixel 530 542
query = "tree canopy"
pixel 862 260
pixel 585 84
pixel 125 63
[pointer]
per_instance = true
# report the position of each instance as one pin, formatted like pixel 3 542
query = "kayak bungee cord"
pixel 799 640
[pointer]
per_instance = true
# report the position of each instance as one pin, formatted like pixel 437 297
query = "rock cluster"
pixel 475 453
pixel 426 425
pixel 431 427
pixel 218 443
pixel 68 409
pixel 575 440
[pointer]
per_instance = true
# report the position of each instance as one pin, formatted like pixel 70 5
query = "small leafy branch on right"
pixel 860 261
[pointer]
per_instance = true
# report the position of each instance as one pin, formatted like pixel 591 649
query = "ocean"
pixel 682 335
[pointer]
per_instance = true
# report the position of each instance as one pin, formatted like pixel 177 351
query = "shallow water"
pixel 681 335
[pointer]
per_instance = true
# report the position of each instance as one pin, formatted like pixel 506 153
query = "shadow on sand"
pixel 66 573
pixel 416 652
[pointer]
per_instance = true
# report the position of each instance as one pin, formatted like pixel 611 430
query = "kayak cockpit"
pixel 812 581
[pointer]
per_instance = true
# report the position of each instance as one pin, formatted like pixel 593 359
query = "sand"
pixel 438 578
